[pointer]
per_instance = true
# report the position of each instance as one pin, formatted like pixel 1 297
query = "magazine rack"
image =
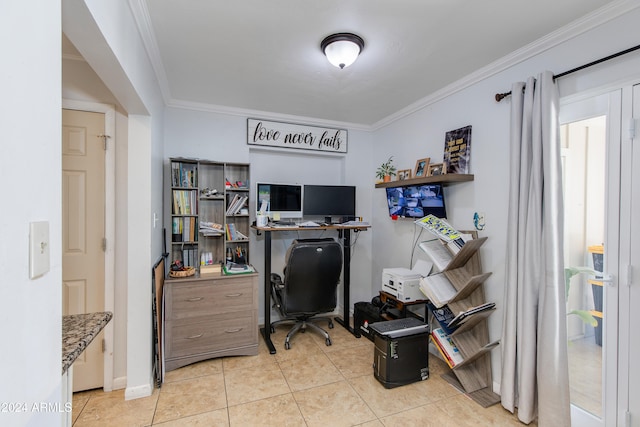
pixel 473 375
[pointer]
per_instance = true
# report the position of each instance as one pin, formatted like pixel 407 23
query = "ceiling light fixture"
pixel 342 49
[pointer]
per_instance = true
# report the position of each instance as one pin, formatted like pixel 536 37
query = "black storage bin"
pixel 365 313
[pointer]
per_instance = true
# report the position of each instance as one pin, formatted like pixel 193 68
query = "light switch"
pixel 38 248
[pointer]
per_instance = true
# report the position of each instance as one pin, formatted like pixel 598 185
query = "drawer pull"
pixel 195 299
pixel 239 294
pixel 233 331
pixel 193 337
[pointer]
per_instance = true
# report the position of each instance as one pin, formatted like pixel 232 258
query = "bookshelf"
pixel 209 210
pixel 473 374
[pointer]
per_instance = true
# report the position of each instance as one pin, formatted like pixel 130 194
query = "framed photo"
pixel 404 174
pixel 422 167
pixel 437 169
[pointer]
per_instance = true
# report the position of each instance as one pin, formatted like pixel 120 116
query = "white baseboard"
pixel 119 383
pixel 137 392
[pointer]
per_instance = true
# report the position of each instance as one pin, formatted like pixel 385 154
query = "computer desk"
pixel 344 232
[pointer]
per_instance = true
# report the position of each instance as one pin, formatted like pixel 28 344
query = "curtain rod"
pixel 501 96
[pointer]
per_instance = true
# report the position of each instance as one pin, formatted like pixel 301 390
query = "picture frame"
pixel 404 174
pixel 436 169
pixel 422 167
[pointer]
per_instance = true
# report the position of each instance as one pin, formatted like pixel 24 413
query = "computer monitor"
pixel 280 200
pixel 416 201
pixel 329 201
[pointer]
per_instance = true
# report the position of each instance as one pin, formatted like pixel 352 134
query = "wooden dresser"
pixel 207 317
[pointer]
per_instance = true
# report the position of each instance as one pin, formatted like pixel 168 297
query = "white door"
pixel 83 231
pixel 629 286
pixel 591 166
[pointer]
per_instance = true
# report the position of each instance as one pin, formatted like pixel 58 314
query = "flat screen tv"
pixel 416 201
pixel 280 200
pixel 329 200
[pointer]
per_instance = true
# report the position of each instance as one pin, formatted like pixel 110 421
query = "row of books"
pixel 237 203
pixel 184 175
pixel 185 202
pixel 184 229
pixel 233 233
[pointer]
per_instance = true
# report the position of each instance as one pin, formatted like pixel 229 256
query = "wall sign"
pixel 302 137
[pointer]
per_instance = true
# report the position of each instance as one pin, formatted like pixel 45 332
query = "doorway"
pixel 590 141
pixel 89 231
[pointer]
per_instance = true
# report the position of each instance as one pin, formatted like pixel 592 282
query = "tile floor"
pixel 310 385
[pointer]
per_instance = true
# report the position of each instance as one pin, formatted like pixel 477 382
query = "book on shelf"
pixel 438 289
pixel 463 316
pixel 437 253
pixel 447 347
pixel 236 204
pixel 457 150
pixel 208 228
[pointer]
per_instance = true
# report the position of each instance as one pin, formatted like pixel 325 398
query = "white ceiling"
pixel 264 56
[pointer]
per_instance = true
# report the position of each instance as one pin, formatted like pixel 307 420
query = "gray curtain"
pixel 535 377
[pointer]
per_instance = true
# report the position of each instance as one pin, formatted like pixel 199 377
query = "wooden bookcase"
pixel 473 375
pixel 191 182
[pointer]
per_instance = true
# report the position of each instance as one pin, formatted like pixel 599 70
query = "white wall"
pixel 422 135
pixel 30 310
pixel 220 137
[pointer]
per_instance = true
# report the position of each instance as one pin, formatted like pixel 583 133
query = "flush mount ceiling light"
pixel 342 49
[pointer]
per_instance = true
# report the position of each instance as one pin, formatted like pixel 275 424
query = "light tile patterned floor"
pixel 310 385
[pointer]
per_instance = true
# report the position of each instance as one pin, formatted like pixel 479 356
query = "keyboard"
pixel 356 223
pixel 308 224
pixel 400 327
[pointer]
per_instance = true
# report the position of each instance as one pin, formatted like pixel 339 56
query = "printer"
pixel 402 283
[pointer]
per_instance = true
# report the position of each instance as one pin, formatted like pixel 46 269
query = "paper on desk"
pixel 422 267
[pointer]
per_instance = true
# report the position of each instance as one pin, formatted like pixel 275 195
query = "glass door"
pixel 590 130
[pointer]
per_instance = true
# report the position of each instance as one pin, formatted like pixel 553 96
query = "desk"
pixel 344 232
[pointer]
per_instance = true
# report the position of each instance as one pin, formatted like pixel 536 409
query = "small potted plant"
pixel 386 170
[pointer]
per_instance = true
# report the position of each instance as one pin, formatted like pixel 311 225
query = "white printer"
pixel 402 283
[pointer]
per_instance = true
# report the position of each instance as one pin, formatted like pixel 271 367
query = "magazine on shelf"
pixel 444 316
pixel 463 316
pixel 441 228
pixel 447 347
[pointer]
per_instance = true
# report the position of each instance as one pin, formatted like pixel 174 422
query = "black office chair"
pixel 311 276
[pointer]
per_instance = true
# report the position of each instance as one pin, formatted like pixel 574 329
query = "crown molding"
pixel 143 21
pixel 553 39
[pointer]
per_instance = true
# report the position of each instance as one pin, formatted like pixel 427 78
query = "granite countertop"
pixel 78 330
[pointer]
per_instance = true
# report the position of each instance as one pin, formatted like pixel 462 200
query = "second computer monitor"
pixel 336 201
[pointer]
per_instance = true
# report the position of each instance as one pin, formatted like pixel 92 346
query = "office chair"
pixel 311 275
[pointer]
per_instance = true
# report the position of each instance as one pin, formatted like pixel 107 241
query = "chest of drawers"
pixel 209 317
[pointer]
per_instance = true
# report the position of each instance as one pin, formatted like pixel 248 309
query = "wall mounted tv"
pixel 329 200
pixel 280 200
pixel 416 201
